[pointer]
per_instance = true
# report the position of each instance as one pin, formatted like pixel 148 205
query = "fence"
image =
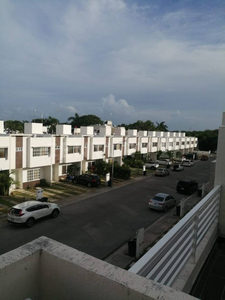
pixel 165 259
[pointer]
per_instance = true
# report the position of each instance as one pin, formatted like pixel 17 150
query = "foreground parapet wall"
pixel 46 269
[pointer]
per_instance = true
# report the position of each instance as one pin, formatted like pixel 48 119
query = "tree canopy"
pixel 13 126
pixel 85 120
pixel 207 139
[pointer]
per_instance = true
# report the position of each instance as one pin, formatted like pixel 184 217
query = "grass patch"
pixel 6 202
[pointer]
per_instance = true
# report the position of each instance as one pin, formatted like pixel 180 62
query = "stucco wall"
pixel 19 274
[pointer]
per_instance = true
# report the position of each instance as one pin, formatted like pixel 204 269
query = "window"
pixel 163 144
pixel 33 174
pixel 154 144
pixel 41 151
pixel 182 143
pixel 144 145
pixel 64 169
pixel 132 146
pixel 3 152
pixel 188 143
pixel 74 149
pixel 177 143
pixel 117 146
pixel 171 144
pixel 98 148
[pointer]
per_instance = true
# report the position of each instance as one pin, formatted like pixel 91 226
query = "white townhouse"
pixel 143 143
pixel 35 155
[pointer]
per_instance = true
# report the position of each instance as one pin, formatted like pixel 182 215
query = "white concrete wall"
pixel 45 269
pixel 121 131
pixel 40 161
pixel 5 143
pixel 33 128
pixel 20 274
pixel 220 174
pixel 132 132
pixel 86 130
pixel 72 157
pixel 105 130
pixel 142 133
pixel 63 129
pixel 1 126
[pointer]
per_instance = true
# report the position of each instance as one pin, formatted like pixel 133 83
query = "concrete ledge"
pixel 56 271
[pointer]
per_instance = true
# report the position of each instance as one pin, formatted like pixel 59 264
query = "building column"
pixel 220 174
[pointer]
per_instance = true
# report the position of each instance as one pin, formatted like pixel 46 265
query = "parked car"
pixel 178 167
pixel 188 163
pixel 152 165
pixel 162 172
pixel 30 211
pixel 187 186
pixel 165 162
pixel 204 157
pixel 162 201
pixel 87 179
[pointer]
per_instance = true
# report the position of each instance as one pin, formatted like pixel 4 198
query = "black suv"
pixel 87 179
pixel 187 186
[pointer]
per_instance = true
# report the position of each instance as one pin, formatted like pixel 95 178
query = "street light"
pixel 112 164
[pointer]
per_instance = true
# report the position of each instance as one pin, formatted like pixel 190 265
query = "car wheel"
pixel 89 184
pixel 30 222
pixel 55 213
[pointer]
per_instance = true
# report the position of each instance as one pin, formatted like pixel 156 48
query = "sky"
pixel 122 60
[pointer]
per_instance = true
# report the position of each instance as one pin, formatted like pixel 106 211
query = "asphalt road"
pixel 102 223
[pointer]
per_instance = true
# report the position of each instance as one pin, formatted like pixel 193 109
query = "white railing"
pixel 165 259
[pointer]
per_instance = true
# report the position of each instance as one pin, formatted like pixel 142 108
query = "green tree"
pixel 85 120
pixel 161 126
pixel 13 126
pixel 102 167
pixel 5 182
pixel 73 169
pixel 207 139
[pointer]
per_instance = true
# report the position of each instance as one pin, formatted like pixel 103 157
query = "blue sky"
pixel 123 61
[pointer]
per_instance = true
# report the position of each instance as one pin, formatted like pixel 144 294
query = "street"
pixel 102 223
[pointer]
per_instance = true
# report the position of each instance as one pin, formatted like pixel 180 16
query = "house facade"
pixel 35 155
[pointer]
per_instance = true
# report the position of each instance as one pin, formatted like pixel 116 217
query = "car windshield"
pixel 158 198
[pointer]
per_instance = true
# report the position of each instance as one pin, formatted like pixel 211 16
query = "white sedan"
pixel 29 211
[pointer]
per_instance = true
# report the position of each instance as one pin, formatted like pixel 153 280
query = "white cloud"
pixel 160 61
pixel 120 107
pixel 71 109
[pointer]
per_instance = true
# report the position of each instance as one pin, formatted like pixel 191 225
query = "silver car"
pixel 162 172
pixel 161 202
pixel 152 165
pixel 29 211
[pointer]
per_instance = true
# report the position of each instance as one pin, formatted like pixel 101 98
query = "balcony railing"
pixel 164 261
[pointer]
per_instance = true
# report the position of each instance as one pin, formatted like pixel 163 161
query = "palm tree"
pixel 161 126
pixel 74 121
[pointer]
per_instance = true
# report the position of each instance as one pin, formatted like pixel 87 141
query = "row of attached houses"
pixel 34 155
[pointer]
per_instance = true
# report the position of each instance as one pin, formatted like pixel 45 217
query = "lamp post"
pixel 112 164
